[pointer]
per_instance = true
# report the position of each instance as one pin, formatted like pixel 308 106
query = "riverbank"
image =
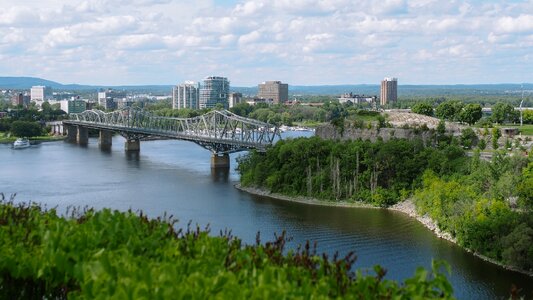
pixel 301 199
pixel 407 207
pixel 39 139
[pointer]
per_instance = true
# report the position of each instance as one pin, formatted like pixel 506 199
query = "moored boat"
pixel 21 143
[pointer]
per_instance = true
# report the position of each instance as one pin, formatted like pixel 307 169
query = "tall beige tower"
pixel 389 91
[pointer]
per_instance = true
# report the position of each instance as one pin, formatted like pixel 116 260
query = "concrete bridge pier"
pixel 72 132
pixel 83 135
pixel 220 160
pixel 132 145
pixel 105 139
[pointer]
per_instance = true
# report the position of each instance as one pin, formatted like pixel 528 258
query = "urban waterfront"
pixel 175 177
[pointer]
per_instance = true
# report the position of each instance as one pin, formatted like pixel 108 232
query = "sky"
pixel 300 42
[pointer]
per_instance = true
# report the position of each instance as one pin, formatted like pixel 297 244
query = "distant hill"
pixel 27 82
pixel 365 89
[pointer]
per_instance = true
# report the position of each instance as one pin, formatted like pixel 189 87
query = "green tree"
pixel 518 247
pixel 423 108
pixel 470 113
pixel 502 112
pixel 242 109
pixel 482 144
pixel 496 134
pixel 449 110
pixel 527 116
pixel 25 128
pixel 525 187
pixel 468 137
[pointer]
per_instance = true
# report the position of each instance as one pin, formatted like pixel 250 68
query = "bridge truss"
pixel 218 131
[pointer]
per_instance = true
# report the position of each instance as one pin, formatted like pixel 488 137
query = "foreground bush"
pixel 109 254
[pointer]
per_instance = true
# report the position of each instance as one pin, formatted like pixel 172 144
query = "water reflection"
pixel 106 149
pixel 133 155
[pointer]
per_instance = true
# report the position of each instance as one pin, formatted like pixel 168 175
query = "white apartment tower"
pixel 186 95
pixel 40 93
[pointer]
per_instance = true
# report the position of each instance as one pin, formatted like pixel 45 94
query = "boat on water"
pixel 21 143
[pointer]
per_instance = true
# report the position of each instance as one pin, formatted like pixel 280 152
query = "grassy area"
pixel 4 138
pixel 527 129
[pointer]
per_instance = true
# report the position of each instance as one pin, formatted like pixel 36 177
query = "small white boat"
pixel 21 143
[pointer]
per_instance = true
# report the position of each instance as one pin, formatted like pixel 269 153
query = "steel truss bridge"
pixel 221 132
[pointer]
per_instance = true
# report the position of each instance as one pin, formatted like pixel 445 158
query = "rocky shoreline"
pixel 407 207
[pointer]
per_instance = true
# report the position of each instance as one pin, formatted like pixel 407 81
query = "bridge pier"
pixel 83 135
pixel 220 160
pixel 132 145
pixel 105 139
pixel 72 132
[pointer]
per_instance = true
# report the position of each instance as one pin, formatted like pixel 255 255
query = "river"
pixel 175 177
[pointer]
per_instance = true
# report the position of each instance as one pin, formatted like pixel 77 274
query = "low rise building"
pixel 255 101
pixel 73 106
pixel 356 99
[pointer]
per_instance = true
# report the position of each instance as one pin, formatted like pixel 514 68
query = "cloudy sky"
pixel 301 42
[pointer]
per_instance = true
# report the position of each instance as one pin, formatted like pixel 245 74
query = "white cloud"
pixel 146 41
pixel 390 7
pixel 522 23
pixel 140 42
pixel 251 37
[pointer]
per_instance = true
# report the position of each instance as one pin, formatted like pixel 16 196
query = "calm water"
pixel 175 177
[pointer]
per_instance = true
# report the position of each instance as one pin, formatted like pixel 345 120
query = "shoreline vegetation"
pixel 50 138
pixel 484 206
pixel 406 207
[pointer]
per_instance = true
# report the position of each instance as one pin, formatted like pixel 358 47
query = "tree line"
pixel 471 113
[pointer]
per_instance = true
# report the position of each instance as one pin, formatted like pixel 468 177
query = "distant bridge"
pixel 221 132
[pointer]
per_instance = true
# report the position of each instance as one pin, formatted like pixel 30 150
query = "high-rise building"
pixel 389 91
pixel 214 90
pixel 234 99
pixel 186 95
pixel 17 99
pixel 40 93
pixel 274 90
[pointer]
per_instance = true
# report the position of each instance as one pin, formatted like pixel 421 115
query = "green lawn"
pixel 527 129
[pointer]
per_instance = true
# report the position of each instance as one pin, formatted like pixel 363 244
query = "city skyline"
pixel 301 42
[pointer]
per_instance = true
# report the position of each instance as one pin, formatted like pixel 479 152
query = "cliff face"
pixel 350 133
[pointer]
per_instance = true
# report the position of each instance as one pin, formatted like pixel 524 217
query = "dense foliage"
pixel 25 128
pixel 352 170
pixel 484 209
pixel 112 255
pixel 29 121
